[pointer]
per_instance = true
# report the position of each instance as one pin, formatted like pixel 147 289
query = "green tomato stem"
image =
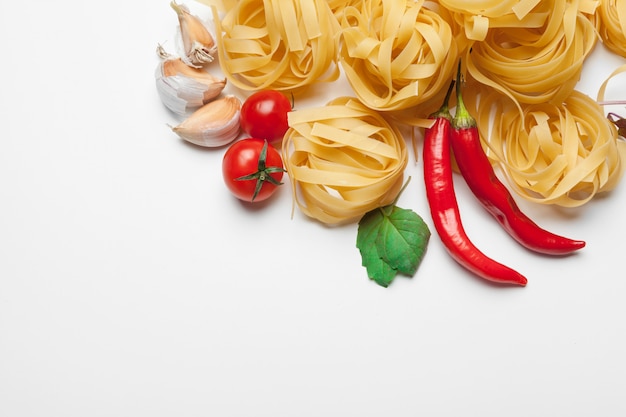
pixel 263 173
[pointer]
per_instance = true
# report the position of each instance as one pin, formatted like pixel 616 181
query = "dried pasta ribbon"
pixel 562 154
pixel 532 65
pixel 338 6
pixel 478 17
pixel 396 54
pixel 343 160
pixel 490 8
pixel 602 90
pixel 277 44
pixel 611 16
pixel 220 5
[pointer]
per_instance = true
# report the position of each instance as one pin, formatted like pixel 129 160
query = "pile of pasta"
pixel 343 159
pixel 521 62
pixel 280 44
pixel 553 144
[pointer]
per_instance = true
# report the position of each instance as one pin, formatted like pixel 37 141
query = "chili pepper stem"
pixel 444 110
pixel 462 118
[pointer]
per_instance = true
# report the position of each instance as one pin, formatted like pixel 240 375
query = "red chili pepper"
pixel 480 177
pixel 444 208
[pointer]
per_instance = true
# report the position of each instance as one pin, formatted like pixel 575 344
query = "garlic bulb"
pixel 183 88
pixel 198 43
pixel 212 125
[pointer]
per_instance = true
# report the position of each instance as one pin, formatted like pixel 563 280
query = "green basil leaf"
pixel 367 235
pixel 402 240
pixel 391 240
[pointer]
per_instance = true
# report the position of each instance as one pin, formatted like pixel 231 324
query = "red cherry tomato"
pixel 264 115
pixel 252 169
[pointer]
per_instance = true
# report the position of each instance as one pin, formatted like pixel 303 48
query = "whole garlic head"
pixel 212 125
pixel 183 88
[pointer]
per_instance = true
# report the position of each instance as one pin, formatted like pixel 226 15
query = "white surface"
pixel 132 284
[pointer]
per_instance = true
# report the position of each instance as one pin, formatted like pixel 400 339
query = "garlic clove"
pixel 212 125
pixel 214 85
pixel 183 88
pixel 198 43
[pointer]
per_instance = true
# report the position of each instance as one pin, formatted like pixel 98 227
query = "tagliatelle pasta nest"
pixel 611 16
pixel 562 154
pixel 277 44
pixel 395 54
pixel 536 65
pixel 343 160
pixel 477 17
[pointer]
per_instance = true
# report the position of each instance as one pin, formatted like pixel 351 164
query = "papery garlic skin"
pixel 213 125
pixel 198 43
pixel 183 88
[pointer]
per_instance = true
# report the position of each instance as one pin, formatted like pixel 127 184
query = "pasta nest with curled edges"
pixel 477 17
pixel 277 44
pixel 396 54
pixel 611 15
pixel 343 160
pixel 536 64
pixel 562 154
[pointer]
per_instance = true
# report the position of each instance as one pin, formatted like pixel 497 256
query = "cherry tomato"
pixel 252 169
pixel 264 115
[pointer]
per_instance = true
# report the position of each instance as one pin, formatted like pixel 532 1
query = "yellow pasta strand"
pixel 277 44
pixel 602 91
pixel 343 160
pixel 338 6
pixel 396 54
pixel 478 17
pixel 220 5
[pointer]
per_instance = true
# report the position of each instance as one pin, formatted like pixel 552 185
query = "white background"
pixel 133 284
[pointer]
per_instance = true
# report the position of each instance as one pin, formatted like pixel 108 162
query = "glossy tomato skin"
pixel 241 159
pixel 264 115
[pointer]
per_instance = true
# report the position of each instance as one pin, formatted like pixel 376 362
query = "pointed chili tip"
pixel 575 245
pixel 563 247
pixel 578 244
pixel 518 279
pixel 511 277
